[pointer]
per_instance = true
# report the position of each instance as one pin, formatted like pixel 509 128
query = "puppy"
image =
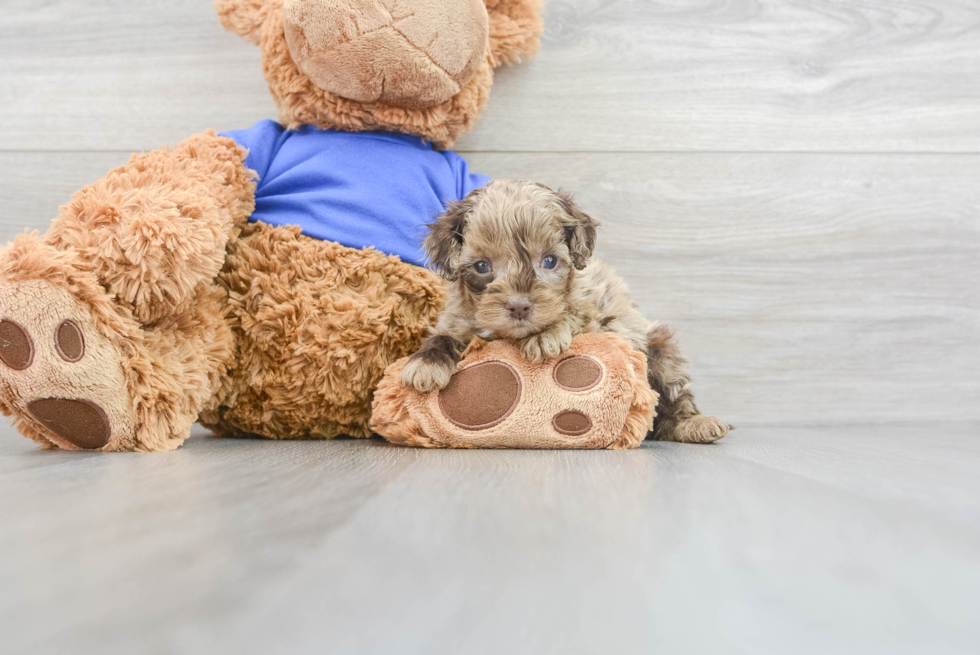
pixel 518 258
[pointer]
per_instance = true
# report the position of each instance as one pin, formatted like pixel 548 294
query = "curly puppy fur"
pixel 518 257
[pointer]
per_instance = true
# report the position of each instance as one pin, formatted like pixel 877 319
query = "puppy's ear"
pixel 444 243
pixel 580 229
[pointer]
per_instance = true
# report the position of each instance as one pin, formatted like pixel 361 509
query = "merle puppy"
pixel 518 258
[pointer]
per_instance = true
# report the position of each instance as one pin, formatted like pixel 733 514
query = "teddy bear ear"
pixel 515 29
pixel 243 17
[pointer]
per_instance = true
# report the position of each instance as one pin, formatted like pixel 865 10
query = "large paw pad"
pixel 498 388
pixel 79 422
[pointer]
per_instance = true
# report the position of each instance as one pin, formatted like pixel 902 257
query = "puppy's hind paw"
pixel 700 429
pixel 422 375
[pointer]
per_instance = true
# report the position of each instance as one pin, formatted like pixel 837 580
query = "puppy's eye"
pixel 481 267
pixel 549 262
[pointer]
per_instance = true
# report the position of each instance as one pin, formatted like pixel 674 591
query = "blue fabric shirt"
pixel 356 188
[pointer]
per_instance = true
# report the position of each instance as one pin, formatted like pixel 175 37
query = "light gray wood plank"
pixel 808 540
pixel 745 75
pixel 122 75
pixel 37 183
pixel 813 75
pixel 806 289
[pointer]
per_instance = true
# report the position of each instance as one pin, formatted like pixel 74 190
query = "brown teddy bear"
pixel 260 281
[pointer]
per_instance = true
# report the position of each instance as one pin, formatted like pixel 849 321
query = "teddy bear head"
pixel 421 67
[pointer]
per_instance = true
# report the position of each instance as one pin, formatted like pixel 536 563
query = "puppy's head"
pixel 512 248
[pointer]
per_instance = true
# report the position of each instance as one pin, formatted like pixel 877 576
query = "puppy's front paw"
pixel 423 375
pixel 545 345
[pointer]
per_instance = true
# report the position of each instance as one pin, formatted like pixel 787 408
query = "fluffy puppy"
pixel 518 258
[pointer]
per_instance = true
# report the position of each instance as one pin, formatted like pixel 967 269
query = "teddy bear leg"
pixel 76 373
pixel 113 333
pixel 593 396
pixel 61 377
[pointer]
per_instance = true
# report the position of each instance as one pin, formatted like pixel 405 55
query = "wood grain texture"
pixel 857 540
pixel 806 289
pixel 716 75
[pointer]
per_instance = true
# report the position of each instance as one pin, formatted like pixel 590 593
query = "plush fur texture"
pixel 116 250
pixel 514 29
pixel 187 311
pixel 154 231
pixel 519 259
pixel 316 324
pixel 621 406
pixel 411 56
pixel 245 17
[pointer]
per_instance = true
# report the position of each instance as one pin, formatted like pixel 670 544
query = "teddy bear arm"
pixel 154 231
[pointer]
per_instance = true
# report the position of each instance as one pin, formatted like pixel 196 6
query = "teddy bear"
pixel 260 281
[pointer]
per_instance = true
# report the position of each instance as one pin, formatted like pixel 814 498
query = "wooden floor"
pixel 793 184
pixel 777 540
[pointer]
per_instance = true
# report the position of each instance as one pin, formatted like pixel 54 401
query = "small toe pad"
pixel 578 373
pixel 572 422
pixel 70 342
pixel 16 347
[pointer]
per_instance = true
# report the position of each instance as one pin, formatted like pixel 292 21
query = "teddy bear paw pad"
pixel 80 422
pixel 481 396
pixel 16 347
pixel 578 373
pixel 572 422
pixel 58 374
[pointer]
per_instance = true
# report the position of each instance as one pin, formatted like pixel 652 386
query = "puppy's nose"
pixel 519 308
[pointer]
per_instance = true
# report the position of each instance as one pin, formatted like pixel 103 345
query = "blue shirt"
pixel 356 188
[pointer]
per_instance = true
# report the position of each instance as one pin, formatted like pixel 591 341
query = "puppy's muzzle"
pixel 519 308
